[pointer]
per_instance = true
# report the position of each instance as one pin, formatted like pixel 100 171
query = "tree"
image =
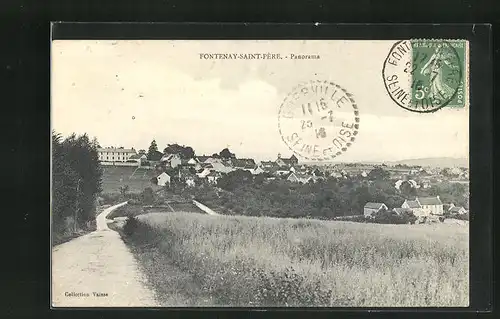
pixel 378 174
pixel 445 172
pixel 76 179
pixel 155 156
pixel 95 143
pixel 186 152
pixel 235 179
pixel 124 190
pixel 142 152
pixel 64 182
pixel 407 189
pixel 153 148
pixel 148 196
pixel 226 154
pixel 318 173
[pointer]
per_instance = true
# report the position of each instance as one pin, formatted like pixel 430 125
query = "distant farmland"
pixel 137 179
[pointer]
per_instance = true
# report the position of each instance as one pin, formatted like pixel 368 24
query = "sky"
pixel 129 92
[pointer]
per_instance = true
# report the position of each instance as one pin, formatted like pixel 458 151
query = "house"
pixel 221 167
pixel 202 159
pixel 299 178
pixel 373 208
pixel 447 207
pixel 190 181
pixel 192 162
pixel 243 163
pixel 257 170
pixel 266 165
pixel 423 172
pixel 399 182
pixel 212 160
pixel 204 173
pixel 336 174
pixel 431 204
pixel 163 179
pixel 280 171
pixel 415 207
pixel 457 210
pixel 115 154
pixel 139 158
pixel 364 174
pixel 213 177
pixel 455 171
pixel 292 161
pixel 172 160
pixel 425 183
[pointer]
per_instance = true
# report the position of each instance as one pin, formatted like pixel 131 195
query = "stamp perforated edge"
pixel 465 70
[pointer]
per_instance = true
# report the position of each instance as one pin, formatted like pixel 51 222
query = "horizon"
pixel 160 149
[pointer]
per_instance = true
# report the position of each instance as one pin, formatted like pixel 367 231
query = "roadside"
pixel 98 270
pixel 58 239
pixel 173 287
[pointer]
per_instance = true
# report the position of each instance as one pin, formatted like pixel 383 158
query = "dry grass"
pixel 245 261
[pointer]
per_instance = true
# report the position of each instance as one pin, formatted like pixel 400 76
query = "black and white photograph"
pixel 260 173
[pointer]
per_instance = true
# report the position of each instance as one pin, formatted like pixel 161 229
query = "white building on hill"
pixel 425 206
pixel 115 155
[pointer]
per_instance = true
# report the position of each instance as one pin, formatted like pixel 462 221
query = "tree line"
pixel 185 152
pixel 76 182
pixel 239 192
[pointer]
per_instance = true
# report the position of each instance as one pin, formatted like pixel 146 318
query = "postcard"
pixel 260 173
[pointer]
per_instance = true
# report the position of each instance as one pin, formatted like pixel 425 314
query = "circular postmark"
pixel 422 75
pixel 318 120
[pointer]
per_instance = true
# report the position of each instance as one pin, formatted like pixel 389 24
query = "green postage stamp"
pixel 423 75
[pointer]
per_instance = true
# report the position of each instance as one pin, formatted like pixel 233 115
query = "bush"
pixel 391 217
pixel 408 218
pixel 130 226
pixel 133 202
pixel 461 216
pixel 148 196
pixel 109 198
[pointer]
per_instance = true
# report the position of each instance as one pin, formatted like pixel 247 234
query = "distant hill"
pixel 429 161
pixel 434 162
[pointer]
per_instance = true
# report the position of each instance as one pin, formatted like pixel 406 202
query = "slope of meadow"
pixel 137 179
pixel 250 261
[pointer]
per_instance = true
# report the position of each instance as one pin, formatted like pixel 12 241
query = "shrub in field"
pixel 130 226
pixel 148 196
pixel 109 198
pixel 391 217
pixel 133 202
pixel 288 288
pixel 408 218
pixel 461 216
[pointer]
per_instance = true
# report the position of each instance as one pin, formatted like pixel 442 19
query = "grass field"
pixel 136 210
pixel 260 261
pixel 116 176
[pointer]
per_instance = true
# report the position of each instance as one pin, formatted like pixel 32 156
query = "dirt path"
pixel 98 270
